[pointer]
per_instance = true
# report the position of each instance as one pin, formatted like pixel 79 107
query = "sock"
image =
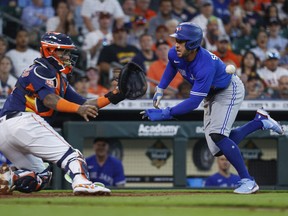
pixel 232 153
pixel 238 134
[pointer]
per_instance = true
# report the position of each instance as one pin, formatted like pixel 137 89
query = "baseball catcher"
pixel 26 137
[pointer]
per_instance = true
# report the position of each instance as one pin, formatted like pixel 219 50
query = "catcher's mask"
pixel 60 47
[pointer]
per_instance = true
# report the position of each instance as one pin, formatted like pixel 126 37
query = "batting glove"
pixel 157 114
pixel 157 97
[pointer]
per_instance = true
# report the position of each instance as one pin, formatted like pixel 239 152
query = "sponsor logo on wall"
pixel 158 153
pixel 157 130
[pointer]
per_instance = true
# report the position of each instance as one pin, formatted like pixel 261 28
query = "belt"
pixel 10 115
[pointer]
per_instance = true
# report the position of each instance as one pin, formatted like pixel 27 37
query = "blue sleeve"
pixel 73 96
pixel 187 105
pixel 119 177
pixel 169 73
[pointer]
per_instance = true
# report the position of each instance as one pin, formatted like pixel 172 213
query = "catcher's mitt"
pixel 132 81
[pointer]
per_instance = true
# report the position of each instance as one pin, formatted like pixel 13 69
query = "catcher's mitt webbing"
pixel 132 81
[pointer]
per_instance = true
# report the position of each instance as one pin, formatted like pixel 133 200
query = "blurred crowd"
pixel 250 34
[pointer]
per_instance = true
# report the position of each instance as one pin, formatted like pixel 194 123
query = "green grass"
pixel 144 203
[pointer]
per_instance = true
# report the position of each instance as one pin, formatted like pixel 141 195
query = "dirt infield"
pixel 70 194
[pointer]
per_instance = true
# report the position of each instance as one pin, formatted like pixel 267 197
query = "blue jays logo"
pixel 178 28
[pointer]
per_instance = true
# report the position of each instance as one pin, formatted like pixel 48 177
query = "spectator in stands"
pixel 255 89
pixel 162 33
pixel 224 52
pixel 94 86
pixel 104 168
pixel 262 46
pixel 116 54
pixel 221 9
pixel 7 80
pixel 282 6
pixel 64 21
pixel 139 27
pixel 223 178
pixel 128 7
pixel 142 9
pixel 237 27
pixel 157 69
pixel 81 86
pixel 270 12
pixel 283 62
pixel 206 11
pixel 91 9
pixel 146 56
pixel 94 41
pixel 171 26
pixel 180 10
pixel 253 18
pixel 248 67
pixel 164 14
pixel 283 87
pixel 271 73
pixel 183 90
pixel 36 15
pixel 3 46
pixel 275 40
pixel 211 35
pixel 22 55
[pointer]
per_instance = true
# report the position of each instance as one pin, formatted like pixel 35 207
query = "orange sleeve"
pixel 102 102
pixel 66 106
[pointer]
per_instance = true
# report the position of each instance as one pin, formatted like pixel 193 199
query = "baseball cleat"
pixel 6 182
pixel 91 189
pixel 247 186
pixel 268 122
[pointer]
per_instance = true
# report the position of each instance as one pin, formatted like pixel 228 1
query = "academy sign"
pixel 157 130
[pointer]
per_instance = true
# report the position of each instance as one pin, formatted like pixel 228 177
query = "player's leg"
pixel 30 175
pixel 37 137
pixel 224 109
pixel 262 120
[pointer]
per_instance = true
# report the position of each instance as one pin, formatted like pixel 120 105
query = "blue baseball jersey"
pixel 110 174
pixel 206 73
pixel 34 84
pixel 218 180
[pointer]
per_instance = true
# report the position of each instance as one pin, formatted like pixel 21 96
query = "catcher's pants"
pixel 27 139
pixel 220 111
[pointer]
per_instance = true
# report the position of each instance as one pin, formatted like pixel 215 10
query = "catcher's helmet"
pixel 189 32
pixel 53 41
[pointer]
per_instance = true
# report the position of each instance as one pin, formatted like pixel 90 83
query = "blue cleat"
pixel 268 122
pixel 247 186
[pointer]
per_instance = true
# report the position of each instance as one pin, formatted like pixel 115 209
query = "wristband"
pixel 66 106
pixel 102 102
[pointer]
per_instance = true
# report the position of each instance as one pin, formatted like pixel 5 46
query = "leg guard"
pixel 75 167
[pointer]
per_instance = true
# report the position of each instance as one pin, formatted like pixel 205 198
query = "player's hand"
pixel 157 114
pixel 87 111
pixel 157 97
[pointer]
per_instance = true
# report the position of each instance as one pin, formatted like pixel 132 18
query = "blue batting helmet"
pixel 189 32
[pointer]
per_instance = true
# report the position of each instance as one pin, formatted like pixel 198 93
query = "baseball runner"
pixel 223 94
pixel 26 138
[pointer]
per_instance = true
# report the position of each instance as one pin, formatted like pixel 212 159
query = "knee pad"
pixel 27 181
pixel 216 137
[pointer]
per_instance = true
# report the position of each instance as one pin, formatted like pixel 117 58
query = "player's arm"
pixel 167 77
pixel 60 104
pixel 113 97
